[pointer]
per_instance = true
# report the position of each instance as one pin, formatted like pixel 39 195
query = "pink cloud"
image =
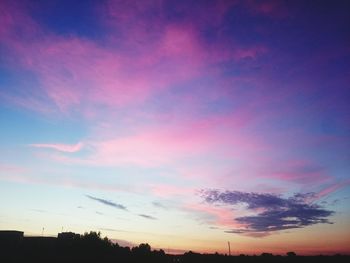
pixel 146 149
pixel 79 75
pixel 72 70
pixel 12 169
pixel 332 188
pixel 69 148
pixel 30 103
pixel 302 172
pixel 213 215
pixel 170 144
pixel 270 8
pixel 166 190
pixel 180 41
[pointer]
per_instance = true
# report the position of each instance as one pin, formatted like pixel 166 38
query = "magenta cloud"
pixel 169 97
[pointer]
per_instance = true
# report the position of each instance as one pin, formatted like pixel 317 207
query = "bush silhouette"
pixel 291 254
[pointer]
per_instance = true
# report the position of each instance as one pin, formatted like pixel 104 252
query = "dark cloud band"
pixel 106 202
pixel 277 213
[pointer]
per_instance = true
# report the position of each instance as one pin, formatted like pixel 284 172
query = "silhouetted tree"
pixel 291 254
pixel 142 249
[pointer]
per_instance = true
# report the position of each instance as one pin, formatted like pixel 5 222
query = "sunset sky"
pixel 183 124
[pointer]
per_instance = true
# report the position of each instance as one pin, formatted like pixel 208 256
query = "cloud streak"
pixel 148 217
pixel 68 148
pixel 273 213
pixel 107 202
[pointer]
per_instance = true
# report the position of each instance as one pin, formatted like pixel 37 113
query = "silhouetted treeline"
pixel 90 247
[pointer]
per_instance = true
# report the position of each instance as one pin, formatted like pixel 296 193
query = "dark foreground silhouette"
pixel 90 247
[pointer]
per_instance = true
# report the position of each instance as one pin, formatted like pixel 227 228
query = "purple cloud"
pixel 275 213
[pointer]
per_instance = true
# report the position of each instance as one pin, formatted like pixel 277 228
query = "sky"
pixel 182 124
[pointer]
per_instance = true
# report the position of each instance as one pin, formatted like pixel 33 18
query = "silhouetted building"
pixel 66 239
pixel 67 236
pixel 10 238
pixel 39 242
pixel 11 234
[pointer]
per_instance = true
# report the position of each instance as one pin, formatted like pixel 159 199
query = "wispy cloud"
pixel 112 229
pixel 274 212
pixel 38 210
pixel 69 148
pixel 107 202
pixel 332 188
pixel 159 205
pixel 148 217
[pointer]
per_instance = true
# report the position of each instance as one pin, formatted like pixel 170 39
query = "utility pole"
pixel 229 248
